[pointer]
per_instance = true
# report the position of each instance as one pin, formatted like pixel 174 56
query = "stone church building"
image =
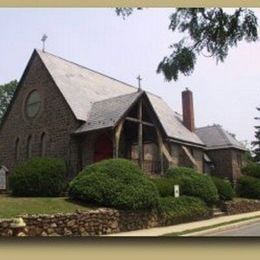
pixel 65 110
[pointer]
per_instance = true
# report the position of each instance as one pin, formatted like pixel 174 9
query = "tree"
pixel 256 143
pixel 6 93
pixel 207 31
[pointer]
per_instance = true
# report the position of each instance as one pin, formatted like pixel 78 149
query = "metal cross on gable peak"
pixel 139 82
pixel 43 39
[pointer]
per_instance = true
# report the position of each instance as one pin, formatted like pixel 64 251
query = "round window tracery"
pixel 33 104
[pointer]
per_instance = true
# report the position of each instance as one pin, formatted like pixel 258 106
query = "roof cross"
pixel 43 39
pixel 139 82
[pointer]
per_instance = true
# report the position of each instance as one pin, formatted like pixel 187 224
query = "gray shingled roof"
pixel 215 137
pixel 82 87
pixel 108 112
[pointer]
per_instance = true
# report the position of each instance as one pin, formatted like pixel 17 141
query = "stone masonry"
pixel 57 122
pixel 90 223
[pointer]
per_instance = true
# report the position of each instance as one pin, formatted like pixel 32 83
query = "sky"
pixel 225 93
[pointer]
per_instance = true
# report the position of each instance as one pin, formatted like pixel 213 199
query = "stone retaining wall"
pixel 240 206
pixel 88 223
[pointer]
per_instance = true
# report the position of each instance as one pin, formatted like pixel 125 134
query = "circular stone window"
pixel 33 104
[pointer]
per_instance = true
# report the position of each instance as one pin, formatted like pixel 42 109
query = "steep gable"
pixel 82 87
pixel 34 66
pixel 108 112
pixel 55 119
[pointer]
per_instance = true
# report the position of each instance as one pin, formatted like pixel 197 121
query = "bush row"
pixel 248 187
pixel 224 187
pixel 39 177
pixel 182 209
pixel 252 169
pixel 194 184
pixel 165 186
pixel 117 183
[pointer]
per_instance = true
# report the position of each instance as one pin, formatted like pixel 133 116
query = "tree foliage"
pixel 6 93
pixel 256 143
pixel 207 31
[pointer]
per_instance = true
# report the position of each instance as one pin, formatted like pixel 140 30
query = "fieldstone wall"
pixel 5 228
pixel 89 223
pixel 240 206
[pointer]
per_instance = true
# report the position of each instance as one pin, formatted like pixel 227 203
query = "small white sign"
pixel 3 172
pixel 176 191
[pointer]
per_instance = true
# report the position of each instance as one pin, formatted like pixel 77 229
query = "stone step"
pixel 217 212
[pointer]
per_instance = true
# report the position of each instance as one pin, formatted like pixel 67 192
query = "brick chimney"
pixel 187 110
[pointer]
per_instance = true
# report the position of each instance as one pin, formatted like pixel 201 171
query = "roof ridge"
pixel 128 94
pixel 208 126
pixel 223 133
pixel 95 71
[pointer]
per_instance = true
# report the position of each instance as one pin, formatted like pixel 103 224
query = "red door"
pixel 103 148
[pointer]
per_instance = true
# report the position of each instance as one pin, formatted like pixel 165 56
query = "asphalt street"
pixel 248 230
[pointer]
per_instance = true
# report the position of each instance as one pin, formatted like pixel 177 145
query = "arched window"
pixel 43 144
pixel 29 147
pixel 17 149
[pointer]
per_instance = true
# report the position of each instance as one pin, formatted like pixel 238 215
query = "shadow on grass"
pixel 82 203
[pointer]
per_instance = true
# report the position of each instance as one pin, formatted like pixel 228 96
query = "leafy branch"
pixel 208 31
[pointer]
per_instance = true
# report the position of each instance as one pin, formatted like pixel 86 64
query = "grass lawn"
pixel 13 206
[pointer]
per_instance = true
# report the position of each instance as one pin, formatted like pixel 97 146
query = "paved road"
pixel 249 230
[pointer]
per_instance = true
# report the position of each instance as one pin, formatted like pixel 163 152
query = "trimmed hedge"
pixel 224 187
pixel 38 177
pixel 165 186
pixel 179 172
pixel 248 187
pixel 194 184
pixel 182 209
pixel 252 169
pixel 117 183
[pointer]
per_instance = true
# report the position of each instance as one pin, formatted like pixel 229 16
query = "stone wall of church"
pixel 237 163
pixel 198 156
pixel 180 159
pixel 87 148
pixel 55 119
pixel 228 163
pixel 223 162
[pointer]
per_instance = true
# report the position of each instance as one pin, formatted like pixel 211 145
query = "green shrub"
pixel 179 172
pixel 224 187
pixel 194 184
pixel 117 183
pixel 252 169
pixel 182 209
pixel 248 187
pixel 165 186
pixel 38 177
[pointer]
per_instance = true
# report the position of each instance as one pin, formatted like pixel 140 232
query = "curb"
pixel 223 222
pixel 222 228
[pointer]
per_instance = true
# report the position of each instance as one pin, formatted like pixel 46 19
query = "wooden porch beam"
pixel 190 157
pixel 135 120
pixel 140 135
pixel 160 144
pixel 117 135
